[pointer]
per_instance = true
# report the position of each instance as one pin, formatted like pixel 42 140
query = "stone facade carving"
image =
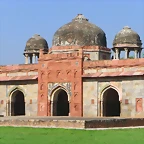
pixel 42 106
pixel 75 85
pixel 58 73
pixel 42 75
pixel 48 74
pixel 52 86
pixel 68 72
pixel 139 105
pixel 42 87
pixel 75 74
pixel 42 95
pixel 76 106
pixel 75 94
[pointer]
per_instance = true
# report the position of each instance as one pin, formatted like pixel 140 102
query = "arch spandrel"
pixel 53 86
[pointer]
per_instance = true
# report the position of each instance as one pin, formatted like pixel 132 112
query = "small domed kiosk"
pixel 32 48
pixel 127 40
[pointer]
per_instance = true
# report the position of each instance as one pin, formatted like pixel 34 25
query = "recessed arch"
pixel 108 87
pixel 60 102
pixel 110 102
pixel 16 103
pixel 56 90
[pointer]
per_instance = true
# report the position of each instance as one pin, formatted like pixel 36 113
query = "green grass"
pixel 21 135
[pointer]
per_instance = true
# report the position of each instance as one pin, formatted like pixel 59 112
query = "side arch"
pixel 110 105
pixel 16 102
pixel 110 87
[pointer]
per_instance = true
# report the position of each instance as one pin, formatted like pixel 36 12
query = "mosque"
pixel 78 76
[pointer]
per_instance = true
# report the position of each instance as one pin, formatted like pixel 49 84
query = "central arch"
pixel 111 103
pixel 60 103
pixel 17 103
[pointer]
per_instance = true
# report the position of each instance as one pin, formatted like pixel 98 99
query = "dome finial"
pixel 80 17
pixel 126 27
pixel 35 35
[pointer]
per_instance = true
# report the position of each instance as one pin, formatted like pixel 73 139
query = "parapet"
pixel 115 63
pixel 85 48
pixel 59 56
pixel 20 67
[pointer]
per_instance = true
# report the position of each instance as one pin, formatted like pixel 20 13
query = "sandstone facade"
pixel 75 79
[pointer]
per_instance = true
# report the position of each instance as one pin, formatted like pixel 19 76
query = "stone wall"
pixel 93 55
pixel 114 65
pixel 75 124
pixel 30 90
pixel 111 123
pixel 104 55
pixel 44 123
pixel 10 80
pixel 99 55
pixel 56 70
pixel 90 98
pixel 130 90
pixel 111 69
pixel 133 97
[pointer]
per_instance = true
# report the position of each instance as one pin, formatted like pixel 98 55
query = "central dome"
pixel 79 32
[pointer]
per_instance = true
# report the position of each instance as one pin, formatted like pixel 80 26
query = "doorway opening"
pixel 60 103
pixel 111 103
pixel 17 104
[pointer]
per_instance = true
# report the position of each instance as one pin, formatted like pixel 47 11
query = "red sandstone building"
pixel 76 76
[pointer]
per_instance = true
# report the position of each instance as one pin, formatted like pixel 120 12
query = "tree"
pixel 131 57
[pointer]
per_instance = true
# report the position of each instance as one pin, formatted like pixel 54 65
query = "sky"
pixel 20 20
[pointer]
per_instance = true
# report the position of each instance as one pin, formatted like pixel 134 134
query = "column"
pixel 34 58
pixel 126 53
pixel 7 108
pixel 136 53
pixel 140 53
pixel 37 57
pixel 69 108
pixel 10 107
pixel 101 105
pixel 117 53
pixel 120 107
pixel 114 55
pixel 30 59
pixel 99 108
pixel 51 108
pixel 26 58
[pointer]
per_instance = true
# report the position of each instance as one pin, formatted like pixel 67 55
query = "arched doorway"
pixel 17 104
pixel 111 103
pixel 60 103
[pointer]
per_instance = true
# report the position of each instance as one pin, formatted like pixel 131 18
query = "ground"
pixel 21 135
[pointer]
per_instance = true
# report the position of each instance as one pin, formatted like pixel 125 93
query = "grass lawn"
pixel 20 135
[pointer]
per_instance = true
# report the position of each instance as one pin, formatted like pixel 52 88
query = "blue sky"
pixel 19 20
